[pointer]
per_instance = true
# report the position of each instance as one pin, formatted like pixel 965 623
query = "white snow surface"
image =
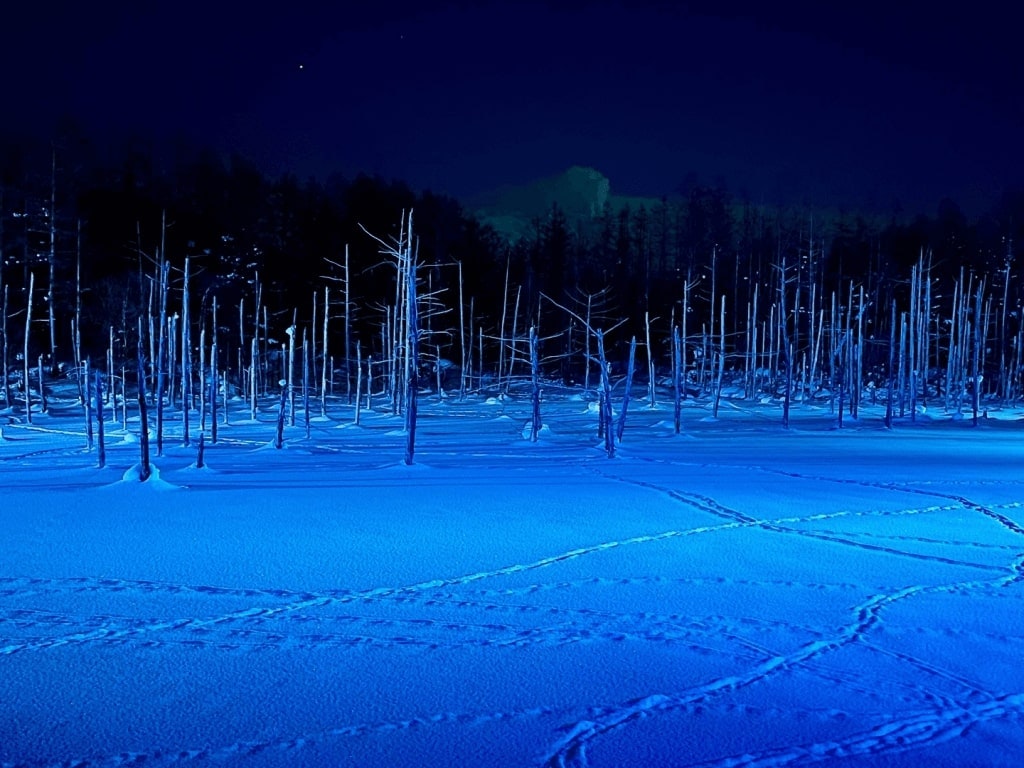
pixel 739 595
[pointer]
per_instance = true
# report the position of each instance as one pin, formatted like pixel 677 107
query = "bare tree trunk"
pixel 711 297
pixel 326 366
pixel 292 330
pixel 975 356
pixel 515 328
pixel 951 363
pixel 816 352
pixel 858 382
pixel 186 357
pixel 1004 374
pixel 400 343
pixel 891 372
pixel 26 358
pixel 256 379
pixel 784 342
pixel 463 358
pixel 76 336
pixel 901 365
pixel 705 355
pixel 748 365
pixel 369 380
pixel 621 426
pixel 5 387
pixel 535 420
pixel 359 382
pixel 412 365
pixel 173 346
pixel 586 344
pixel 43 405
pixel 161 354
pixel 501 329
pixel 438 373
pixel 152 336
pixel 305 382
pixel 88 405
pixel 265 358
pixel 721 360
pixel 101 453
pixel 311 375
pixel 755 342
pixel 914 341
pixel 682 339
pixel 279 435
pixel 50 296
pixel 144 467
pixel 214 375
pixel 650 363
pixel 111 394
pixel 253 379
pixel 606 399
pixel 6 356
pixel 202 377
pixel 124 398
pixel 243 380
pixel 812 338
pixel 925 332
pixel 677 383
pixel 348 328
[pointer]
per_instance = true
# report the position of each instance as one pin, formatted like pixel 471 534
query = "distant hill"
pixel 580 192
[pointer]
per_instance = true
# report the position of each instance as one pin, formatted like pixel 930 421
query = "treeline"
pixel 752 284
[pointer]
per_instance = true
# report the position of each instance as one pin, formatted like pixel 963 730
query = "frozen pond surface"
pixel 740 595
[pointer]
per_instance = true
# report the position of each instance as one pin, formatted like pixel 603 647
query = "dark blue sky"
pixel 788 101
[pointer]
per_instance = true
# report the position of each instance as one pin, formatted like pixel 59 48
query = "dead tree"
pixel 52 263
pixel 607 416
pixel 79 375
pixel 26 358
pixel 144 466
pixel 621 426
pixel 186 357
pixel 101 453
pixel 412 356
pixel 976 347
pixel 5 370
pixel 677 382
pixel 279 434
pixel 721 361
pixel 214 377
pixel 891 371
pixel 784 341
pixel 535 420
pixel 406 330
pixel 651 402
pixel 161 373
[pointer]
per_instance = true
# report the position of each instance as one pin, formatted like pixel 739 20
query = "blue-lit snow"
pixel 741 595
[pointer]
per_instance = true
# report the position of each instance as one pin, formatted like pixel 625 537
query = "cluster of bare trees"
pixel 906 343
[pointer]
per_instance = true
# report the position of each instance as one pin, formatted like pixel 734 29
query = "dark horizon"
pixel 865 110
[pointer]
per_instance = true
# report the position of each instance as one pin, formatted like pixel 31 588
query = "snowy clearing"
pixel 739 595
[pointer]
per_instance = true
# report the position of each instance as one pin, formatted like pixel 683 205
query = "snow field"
pixel 740 595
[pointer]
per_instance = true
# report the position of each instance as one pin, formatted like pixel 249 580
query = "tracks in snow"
pixel 932 727
pixel 571 749
pixel 444 613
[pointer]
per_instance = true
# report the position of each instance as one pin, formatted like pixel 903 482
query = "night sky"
pixel 852 107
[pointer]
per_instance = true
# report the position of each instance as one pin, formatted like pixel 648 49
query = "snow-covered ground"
pixel 741 595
